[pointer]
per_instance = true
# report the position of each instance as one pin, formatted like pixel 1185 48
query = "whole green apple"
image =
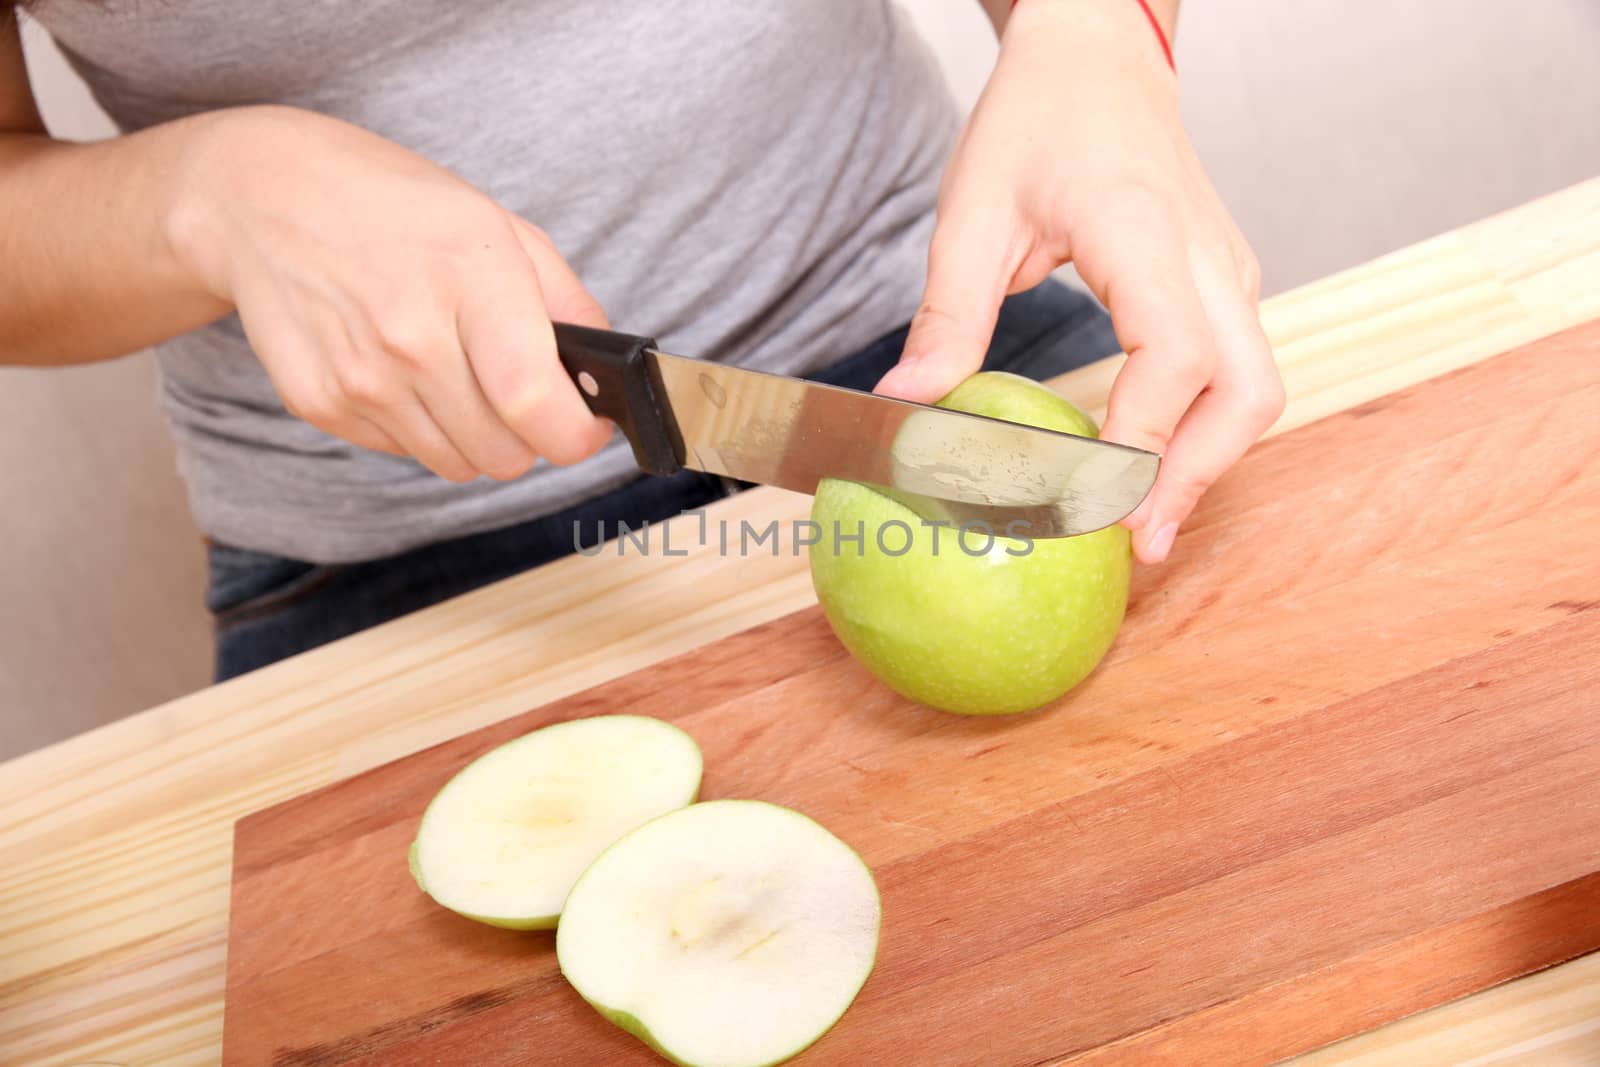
pixel 960 621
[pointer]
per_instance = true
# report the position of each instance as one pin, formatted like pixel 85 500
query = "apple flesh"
pixel 506 838
pixel 732 933
pixel 954 621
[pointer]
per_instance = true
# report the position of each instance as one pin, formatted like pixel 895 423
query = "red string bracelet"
pixel 1155 24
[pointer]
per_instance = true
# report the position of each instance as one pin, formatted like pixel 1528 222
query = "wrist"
pixel 205 187
pixel 190 222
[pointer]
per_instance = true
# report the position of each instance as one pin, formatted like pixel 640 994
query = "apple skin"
pixel 536 922
pixel 632 1025
pixel 992 634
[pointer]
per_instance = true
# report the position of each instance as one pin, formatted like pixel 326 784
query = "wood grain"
pixel 1343 765
pixel 115 846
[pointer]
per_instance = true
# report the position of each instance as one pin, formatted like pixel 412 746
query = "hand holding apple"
pixel 1076 153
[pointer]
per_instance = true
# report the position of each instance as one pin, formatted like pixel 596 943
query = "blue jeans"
pixel 268 607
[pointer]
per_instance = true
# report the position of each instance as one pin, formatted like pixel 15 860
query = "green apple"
pixel 506 838
pixel 732 933
pixel 955 621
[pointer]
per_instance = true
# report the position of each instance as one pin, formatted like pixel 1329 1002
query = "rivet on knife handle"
pixel 618 380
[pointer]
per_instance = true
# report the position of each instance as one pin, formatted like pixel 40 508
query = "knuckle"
pixel 533 232
pixel 1264 401
pixel 1188 483
pixel 942 333
pixel 1137 432
pixel 1189 369
pixel 318 407
pixel 1195 364
pixel 407 335
pixel 931 315
pixel 364 383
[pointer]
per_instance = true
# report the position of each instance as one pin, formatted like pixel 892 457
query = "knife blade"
pixel 946 466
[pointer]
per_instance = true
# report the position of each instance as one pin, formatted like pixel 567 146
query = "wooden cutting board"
pixel 1343 764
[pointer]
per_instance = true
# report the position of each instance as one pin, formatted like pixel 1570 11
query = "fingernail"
pixel 1161 543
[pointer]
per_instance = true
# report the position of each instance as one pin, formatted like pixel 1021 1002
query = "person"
pixel 348 228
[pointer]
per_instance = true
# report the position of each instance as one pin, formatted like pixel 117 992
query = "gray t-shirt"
pixel 750 182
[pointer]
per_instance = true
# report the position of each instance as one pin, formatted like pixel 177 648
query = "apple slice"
pixel 505 838
pixel 732 933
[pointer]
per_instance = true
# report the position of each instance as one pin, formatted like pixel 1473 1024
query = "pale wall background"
pixel 1335 129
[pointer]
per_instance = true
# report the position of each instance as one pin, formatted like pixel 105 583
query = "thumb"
pixel 968 275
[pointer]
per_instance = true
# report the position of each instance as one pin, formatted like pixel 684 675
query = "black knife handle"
pixel 619 381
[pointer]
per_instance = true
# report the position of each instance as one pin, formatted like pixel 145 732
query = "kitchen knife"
pixel 948 466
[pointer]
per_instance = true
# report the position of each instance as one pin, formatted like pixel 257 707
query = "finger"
pixel 327 409
pixel 1144 278
pixel 1244 399
pixel 369 435
pixel 413 426
pixel 505 329
pixel 970 266
pixel 295 355
pixel 372 368
pixel 565 298
pixel 449 389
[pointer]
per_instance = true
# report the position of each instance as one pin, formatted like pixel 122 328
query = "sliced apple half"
pixel 732 933
pixel 506 838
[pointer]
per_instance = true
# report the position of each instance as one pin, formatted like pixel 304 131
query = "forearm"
pixel 997 10
pixel 1165 11
pixel 86 263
